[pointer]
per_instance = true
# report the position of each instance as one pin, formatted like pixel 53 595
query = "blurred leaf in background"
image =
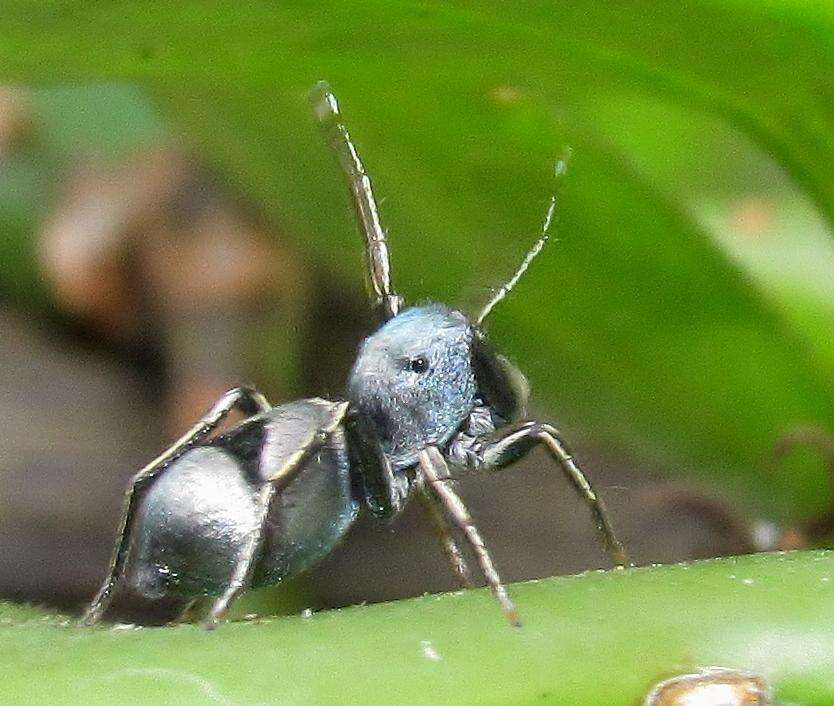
pixel 651 325
pixel 681 318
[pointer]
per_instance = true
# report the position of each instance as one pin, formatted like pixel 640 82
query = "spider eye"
pixel 418 365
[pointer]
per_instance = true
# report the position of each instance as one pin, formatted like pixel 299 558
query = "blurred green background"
pixel 172 223
pixel 684 314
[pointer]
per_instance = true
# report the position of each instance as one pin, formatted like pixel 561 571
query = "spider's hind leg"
pixel 291 461
pixel 248 400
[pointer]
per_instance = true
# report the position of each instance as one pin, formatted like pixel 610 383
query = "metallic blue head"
pixel 414 381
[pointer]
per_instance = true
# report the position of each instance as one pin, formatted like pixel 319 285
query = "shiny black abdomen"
pixel 194 518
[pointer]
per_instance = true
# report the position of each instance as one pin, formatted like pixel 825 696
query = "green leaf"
pixel 601 638
pixel 645 325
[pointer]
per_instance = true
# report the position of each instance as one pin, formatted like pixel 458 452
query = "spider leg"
pixel 277 480
pixel 187 613
pixel 497 453
pixel 248 400
pixel 367 213
pixel 447 541
pixel 242 574
pixel 436 474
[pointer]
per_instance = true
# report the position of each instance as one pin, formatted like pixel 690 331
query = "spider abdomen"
pixel 195 518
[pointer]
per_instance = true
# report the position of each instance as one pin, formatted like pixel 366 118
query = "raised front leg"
pixel 249 401
pixel 367 213
pixel 500 451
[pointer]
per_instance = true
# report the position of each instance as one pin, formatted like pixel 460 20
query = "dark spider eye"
pixel 418 365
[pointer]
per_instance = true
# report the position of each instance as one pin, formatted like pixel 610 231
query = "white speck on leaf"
pixel 429 651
